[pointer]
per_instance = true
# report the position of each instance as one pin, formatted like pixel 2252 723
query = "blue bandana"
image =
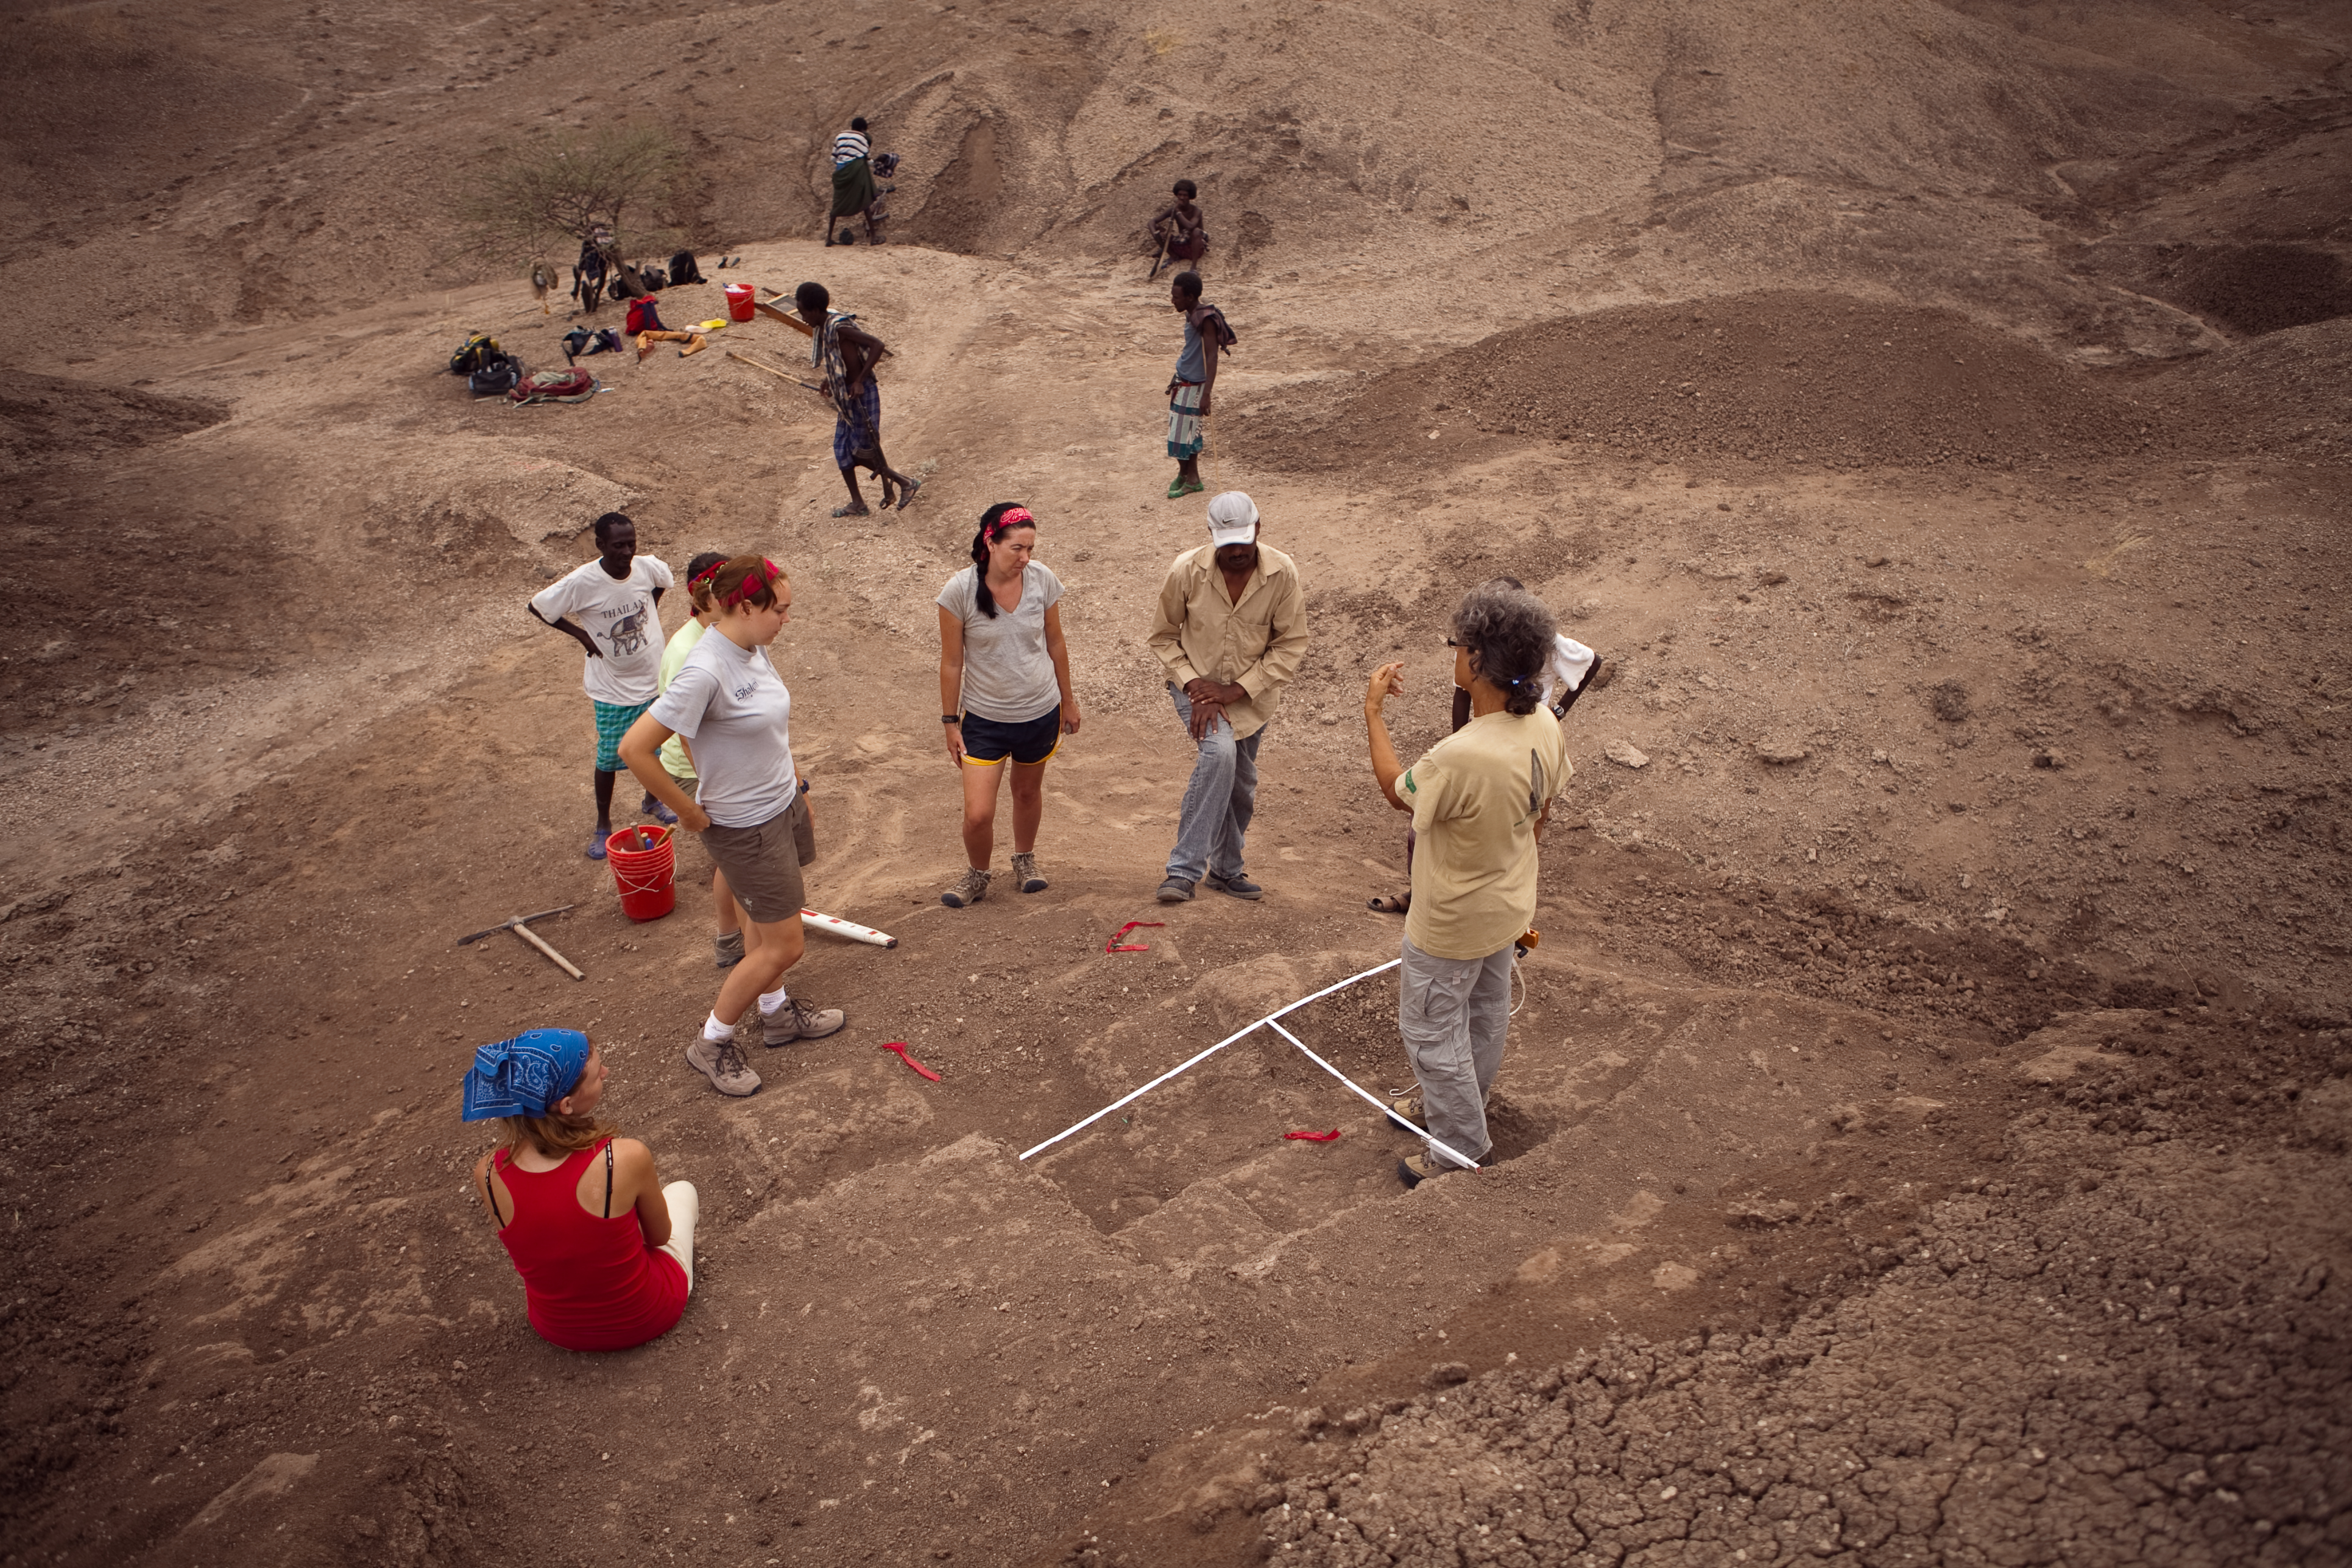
pixel 525 1075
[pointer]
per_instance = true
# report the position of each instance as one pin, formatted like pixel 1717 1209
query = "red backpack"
pixel 643 316
pixel 569 386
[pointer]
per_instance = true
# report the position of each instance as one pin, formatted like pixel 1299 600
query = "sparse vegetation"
pixel 556 191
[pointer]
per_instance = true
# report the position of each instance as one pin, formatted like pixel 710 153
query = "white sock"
pixel 772 1002
pixel 716 1032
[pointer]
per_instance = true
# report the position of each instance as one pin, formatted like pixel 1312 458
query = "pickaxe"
pixel 520 926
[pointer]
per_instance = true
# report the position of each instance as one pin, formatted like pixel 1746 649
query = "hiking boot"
pixel 721 1062
pixel 796 1020
pixel 1175 891
pixel 1238 886
pixel 1415 1169
pixel 969 888
pixel 729 949
pixel 1407 1109
pixel 1024 874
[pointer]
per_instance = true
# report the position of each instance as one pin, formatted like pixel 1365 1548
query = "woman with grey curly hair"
pixel 1570 670
pixel 1479 800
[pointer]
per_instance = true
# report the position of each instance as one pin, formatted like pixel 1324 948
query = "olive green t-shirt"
pixel 673 660
pixel 1475 796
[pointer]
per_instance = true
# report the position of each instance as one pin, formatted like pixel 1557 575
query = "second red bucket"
pixel 739 301
pixel 644 867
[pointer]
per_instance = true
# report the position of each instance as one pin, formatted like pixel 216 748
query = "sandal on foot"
pixel 1178 489
pixel 906 492
pixel 852 512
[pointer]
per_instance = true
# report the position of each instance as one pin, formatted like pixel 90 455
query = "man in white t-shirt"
pixel 612 606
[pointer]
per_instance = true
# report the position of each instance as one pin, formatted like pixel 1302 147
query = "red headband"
pixel 753 581
pixel 1018 517
pixel 705 574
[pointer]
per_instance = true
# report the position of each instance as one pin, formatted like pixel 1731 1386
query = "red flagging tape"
pixel 900 1047
pixel 1314 1137
pixel 1113 944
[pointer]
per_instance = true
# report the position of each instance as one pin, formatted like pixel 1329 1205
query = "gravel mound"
pixel 1780 376
pixel 2084 1362
pixel 2281 392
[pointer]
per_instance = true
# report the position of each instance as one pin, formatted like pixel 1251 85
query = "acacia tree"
pixel 557 189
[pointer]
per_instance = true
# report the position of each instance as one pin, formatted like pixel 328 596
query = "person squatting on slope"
pixel 618 598
pixel 855 192
pixel 1570 671
pixel 1479 799
pixel 1181 228
pixel 677 759
pixel 1230 630
pixel 848 354
pixel 604 1249
pixel 751 809
pixel 1190 390
pixel 1005 692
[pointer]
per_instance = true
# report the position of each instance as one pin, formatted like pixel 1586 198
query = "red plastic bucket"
pixel 739 301
pixel 643 868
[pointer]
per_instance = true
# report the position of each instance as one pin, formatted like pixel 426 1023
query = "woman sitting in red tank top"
pixel 605 1251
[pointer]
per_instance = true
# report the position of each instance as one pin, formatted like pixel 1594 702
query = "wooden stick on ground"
pixel 539 943
pixel 811 388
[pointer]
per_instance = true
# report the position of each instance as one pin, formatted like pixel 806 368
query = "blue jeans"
pixel 1218 803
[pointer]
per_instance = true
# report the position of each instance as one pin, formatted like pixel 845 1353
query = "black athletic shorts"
pixel 987 742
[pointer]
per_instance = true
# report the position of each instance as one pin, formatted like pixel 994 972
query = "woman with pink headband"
pixel 1005 692
pixel 750 808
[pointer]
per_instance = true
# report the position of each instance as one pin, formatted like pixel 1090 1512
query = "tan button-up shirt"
pixel 1255 644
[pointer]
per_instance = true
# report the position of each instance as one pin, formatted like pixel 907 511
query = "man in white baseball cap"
pixel 1231 631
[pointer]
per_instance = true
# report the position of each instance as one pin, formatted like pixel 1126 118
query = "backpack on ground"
pixel 654 277
pixel 568 386
pixel 496 376
pixel 645 316
pixel 478 349
pixel 683 270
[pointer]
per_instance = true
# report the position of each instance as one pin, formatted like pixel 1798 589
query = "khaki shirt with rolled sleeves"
pixel 1255 644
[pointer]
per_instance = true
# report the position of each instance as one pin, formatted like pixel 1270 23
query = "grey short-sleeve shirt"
pixel 1008 676
pixel 733 710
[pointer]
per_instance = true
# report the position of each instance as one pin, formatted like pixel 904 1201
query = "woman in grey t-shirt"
pixel 750 807
pixel 1005 692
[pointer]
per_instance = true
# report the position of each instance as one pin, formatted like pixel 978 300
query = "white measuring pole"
pixel 1369 1099
pixel 1212 1050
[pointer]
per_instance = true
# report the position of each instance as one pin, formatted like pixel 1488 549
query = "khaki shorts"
pixel 762 864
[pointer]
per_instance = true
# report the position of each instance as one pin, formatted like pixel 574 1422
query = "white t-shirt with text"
pixel 733 710
pixel 620 617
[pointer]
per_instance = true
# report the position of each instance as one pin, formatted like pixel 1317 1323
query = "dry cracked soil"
pixel 1924 1134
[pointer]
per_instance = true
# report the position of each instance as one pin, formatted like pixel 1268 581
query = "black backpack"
pixel 478 348
pixel 682 268
pixel 497 376
pixel 655 279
